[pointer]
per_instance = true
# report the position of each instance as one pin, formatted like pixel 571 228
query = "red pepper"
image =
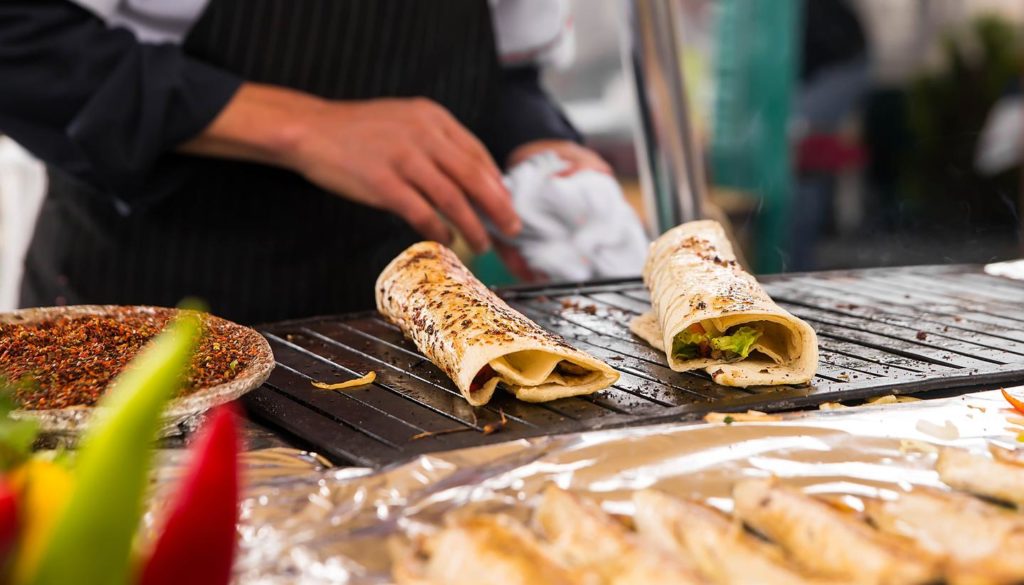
pixel 197 545
pixel 481 378
pixel 1015 402
pixel 9 523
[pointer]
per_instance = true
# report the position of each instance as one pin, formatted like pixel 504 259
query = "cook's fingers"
pixel 410 205
pixel 488 194
pixel 581 159
pixel 469 143
pixel 446 198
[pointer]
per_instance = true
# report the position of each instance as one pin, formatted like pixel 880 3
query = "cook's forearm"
pixel 262 123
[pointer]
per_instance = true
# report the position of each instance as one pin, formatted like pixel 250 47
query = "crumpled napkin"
pixel 577 227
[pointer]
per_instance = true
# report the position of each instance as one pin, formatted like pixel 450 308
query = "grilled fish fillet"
pixel 722 550
pixel 481 549
pixel 984 542
pixel 586 538
pixel 981 475
pixel 827 541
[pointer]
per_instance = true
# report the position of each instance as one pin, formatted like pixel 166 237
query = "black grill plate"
pixel 881 331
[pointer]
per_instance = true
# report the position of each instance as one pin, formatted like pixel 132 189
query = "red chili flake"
pixel 69 361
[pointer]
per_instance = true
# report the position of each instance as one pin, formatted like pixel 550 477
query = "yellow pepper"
pixel 43 488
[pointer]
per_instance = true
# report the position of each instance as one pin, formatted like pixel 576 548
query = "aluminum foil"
pixel 305 524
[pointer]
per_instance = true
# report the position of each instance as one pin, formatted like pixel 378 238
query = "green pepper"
pixel 91 539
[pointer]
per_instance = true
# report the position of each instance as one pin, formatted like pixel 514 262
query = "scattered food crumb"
pixel 749 416
pixel 916 446
pixel 832 406
pixel 921 335
pixel 573 305
pixel 363 381
pixel 1015 420
pixel 890 399
pixel 947 431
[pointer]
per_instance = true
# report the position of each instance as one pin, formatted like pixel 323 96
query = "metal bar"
pixel 670 162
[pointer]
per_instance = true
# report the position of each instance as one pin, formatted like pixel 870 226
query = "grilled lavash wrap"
pixel 708 313
pixel 477 339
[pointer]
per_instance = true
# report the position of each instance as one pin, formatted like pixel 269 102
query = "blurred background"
pixel 832 133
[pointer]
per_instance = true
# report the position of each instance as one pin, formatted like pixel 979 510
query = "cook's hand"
pixel 407 156
pixel 579 157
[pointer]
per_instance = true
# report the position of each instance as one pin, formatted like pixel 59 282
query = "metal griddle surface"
pixel 881 331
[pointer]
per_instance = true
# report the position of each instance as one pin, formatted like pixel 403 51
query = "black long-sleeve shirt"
pixel 93 101
pixel 103 107
pixel 129 221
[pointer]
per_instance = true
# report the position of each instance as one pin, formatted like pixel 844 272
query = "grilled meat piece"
pixel 829 542
pixel 480 549
pixel 587 539
pixel 978 474
pixel 983 542
pixel 722 550
pixel 1011 456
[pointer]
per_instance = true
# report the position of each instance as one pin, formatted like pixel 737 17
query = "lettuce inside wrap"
pixel 732 345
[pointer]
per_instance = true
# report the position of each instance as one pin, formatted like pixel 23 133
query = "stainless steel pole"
pixel 670 162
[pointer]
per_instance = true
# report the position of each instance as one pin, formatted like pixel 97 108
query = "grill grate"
pixel 881 331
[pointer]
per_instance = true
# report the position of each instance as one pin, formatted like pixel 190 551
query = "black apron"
pixel 256 243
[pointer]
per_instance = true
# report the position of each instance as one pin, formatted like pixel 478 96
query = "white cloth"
pixel 1001 145
pixel 152 21
pixel 528 31
pixel 538 32
pixel 575 228
pixel 1010 269
pixel 22 184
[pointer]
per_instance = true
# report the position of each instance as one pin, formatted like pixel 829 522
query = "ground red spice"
pixel 69 361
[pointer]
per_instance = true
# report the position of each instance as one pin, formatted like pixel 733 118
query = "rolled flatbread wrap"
pixel 708 313
pixel 477 339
